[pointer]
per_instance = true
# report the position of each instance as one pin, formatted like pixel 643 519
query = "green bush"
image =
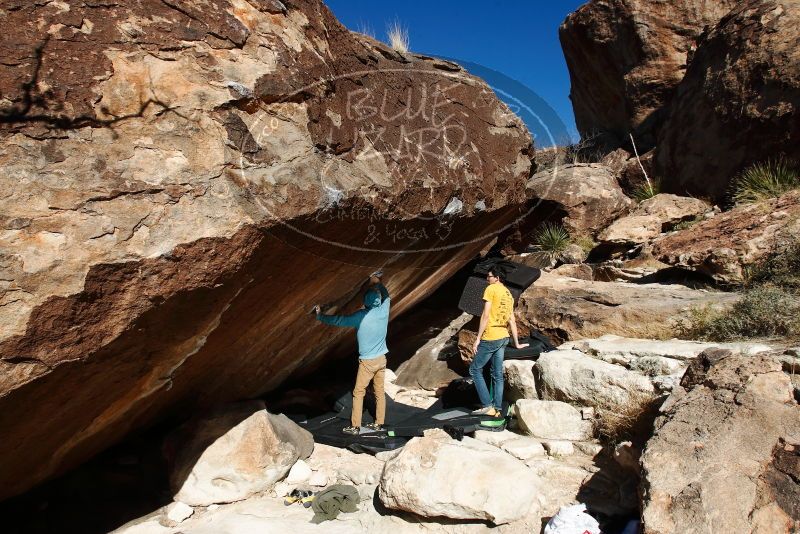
pixel 765 180
pixel 764 311
pixel 550 241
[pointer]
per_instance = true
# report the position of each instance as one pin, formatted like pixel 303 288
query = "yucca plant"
pixel 550 241
pixel 764 180
pixel 398 37
pixel 646 190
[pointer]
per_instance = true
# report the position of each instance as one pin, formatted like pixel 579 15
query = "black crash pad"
pixel 402 423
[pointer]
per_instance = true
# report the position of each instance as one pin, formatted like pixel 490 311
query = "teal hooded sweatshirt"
pixel 370 323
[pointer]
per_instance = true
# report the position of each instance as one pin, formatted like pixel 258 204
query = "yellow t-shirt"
pixel 499 313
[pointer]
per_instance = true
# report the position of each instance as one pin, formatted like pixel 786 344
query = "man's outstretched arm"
pixel 346 321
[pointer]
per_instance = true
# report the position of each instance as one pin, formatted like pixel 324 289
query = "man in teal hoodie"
pixel 371 323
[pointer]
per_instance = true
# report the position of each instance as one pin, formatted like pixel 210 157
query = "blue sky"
pixel 517 38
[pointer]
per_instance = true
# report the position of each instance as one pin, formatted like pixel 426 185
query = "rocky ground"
pixel 551 456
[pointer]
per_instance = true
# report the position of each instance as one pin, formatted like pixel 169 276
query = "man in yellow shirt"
pixel 490 344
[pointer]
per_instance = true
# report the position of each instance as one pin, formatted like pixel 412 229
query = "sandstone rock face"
pixel 568 309
pixel 724 454
pixel 441 477
pixel 181 184
pixel 571 376
pixel 552 420
pixel 743 84
pixel 234 453
pixel 724 245
pixel 626 57
pixel 588 194
pixel 653 217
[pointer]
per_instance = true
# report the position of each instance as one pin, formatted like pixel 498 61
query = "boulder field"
pixel 182 183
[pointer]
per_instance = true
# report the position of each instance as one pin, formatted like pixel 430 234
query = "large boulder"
pixel 572 376
pixel 724 457
pixel 233 453
pixel 437 476
pixel 723 246
pixel 743 84
pixel 626 57
pixel 653 217
pixel 588 194
pixel 568 308
pixel 181 183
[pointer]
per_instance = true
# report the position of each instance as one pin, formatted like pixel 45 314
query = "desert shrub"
pixel 631 422
pixel 763 311
pixel 765 180
pixel 398 37
pixel 550 241
pixel 586 243
pixel 781 268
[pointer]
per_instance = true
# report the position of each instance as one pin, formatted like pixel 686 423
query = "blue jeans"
pixel 494 351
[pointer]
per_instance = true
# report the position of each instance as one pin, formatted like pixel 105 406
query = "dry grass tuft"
pixel 632 422
pixel 398 37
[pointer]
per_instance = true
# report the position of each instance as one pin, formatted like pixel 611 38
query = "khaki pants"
pixel 369 371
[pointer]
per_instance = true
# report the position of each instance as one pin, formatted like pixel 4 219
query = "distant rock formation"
pixel 739 102
pixel 625 59
pixel 183 181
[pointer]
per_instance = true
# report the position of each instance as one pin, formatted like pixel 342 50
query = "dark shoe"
pixel 352 430
pixel 375 426
pixel 301 496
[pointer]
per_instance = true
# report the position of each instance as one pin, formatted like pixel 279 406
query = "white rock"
pixel 519 380
pixel 495 438
pixel 523 448
pixel 589 448
pixel 318 479
pixel 572 376
pixel 300 472
pixel 559 447
pixel 616 349
pixel 234 452
pixel 552 420
pixel 281 489
pixel 438 477
pixel 179 512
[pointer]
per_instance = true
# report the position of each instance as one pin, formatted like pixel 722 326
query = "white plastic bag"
pixel 572 520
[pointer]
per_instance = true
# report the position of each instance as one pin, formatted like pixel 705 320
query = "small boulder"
pixel 588 193
pixel 299 473
pixel 523 448
pixel 653 217
pixel 573 254
pixel 232 453
pixel 519 382
pixel 440 477
pixel 552 420
pixel 580 271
